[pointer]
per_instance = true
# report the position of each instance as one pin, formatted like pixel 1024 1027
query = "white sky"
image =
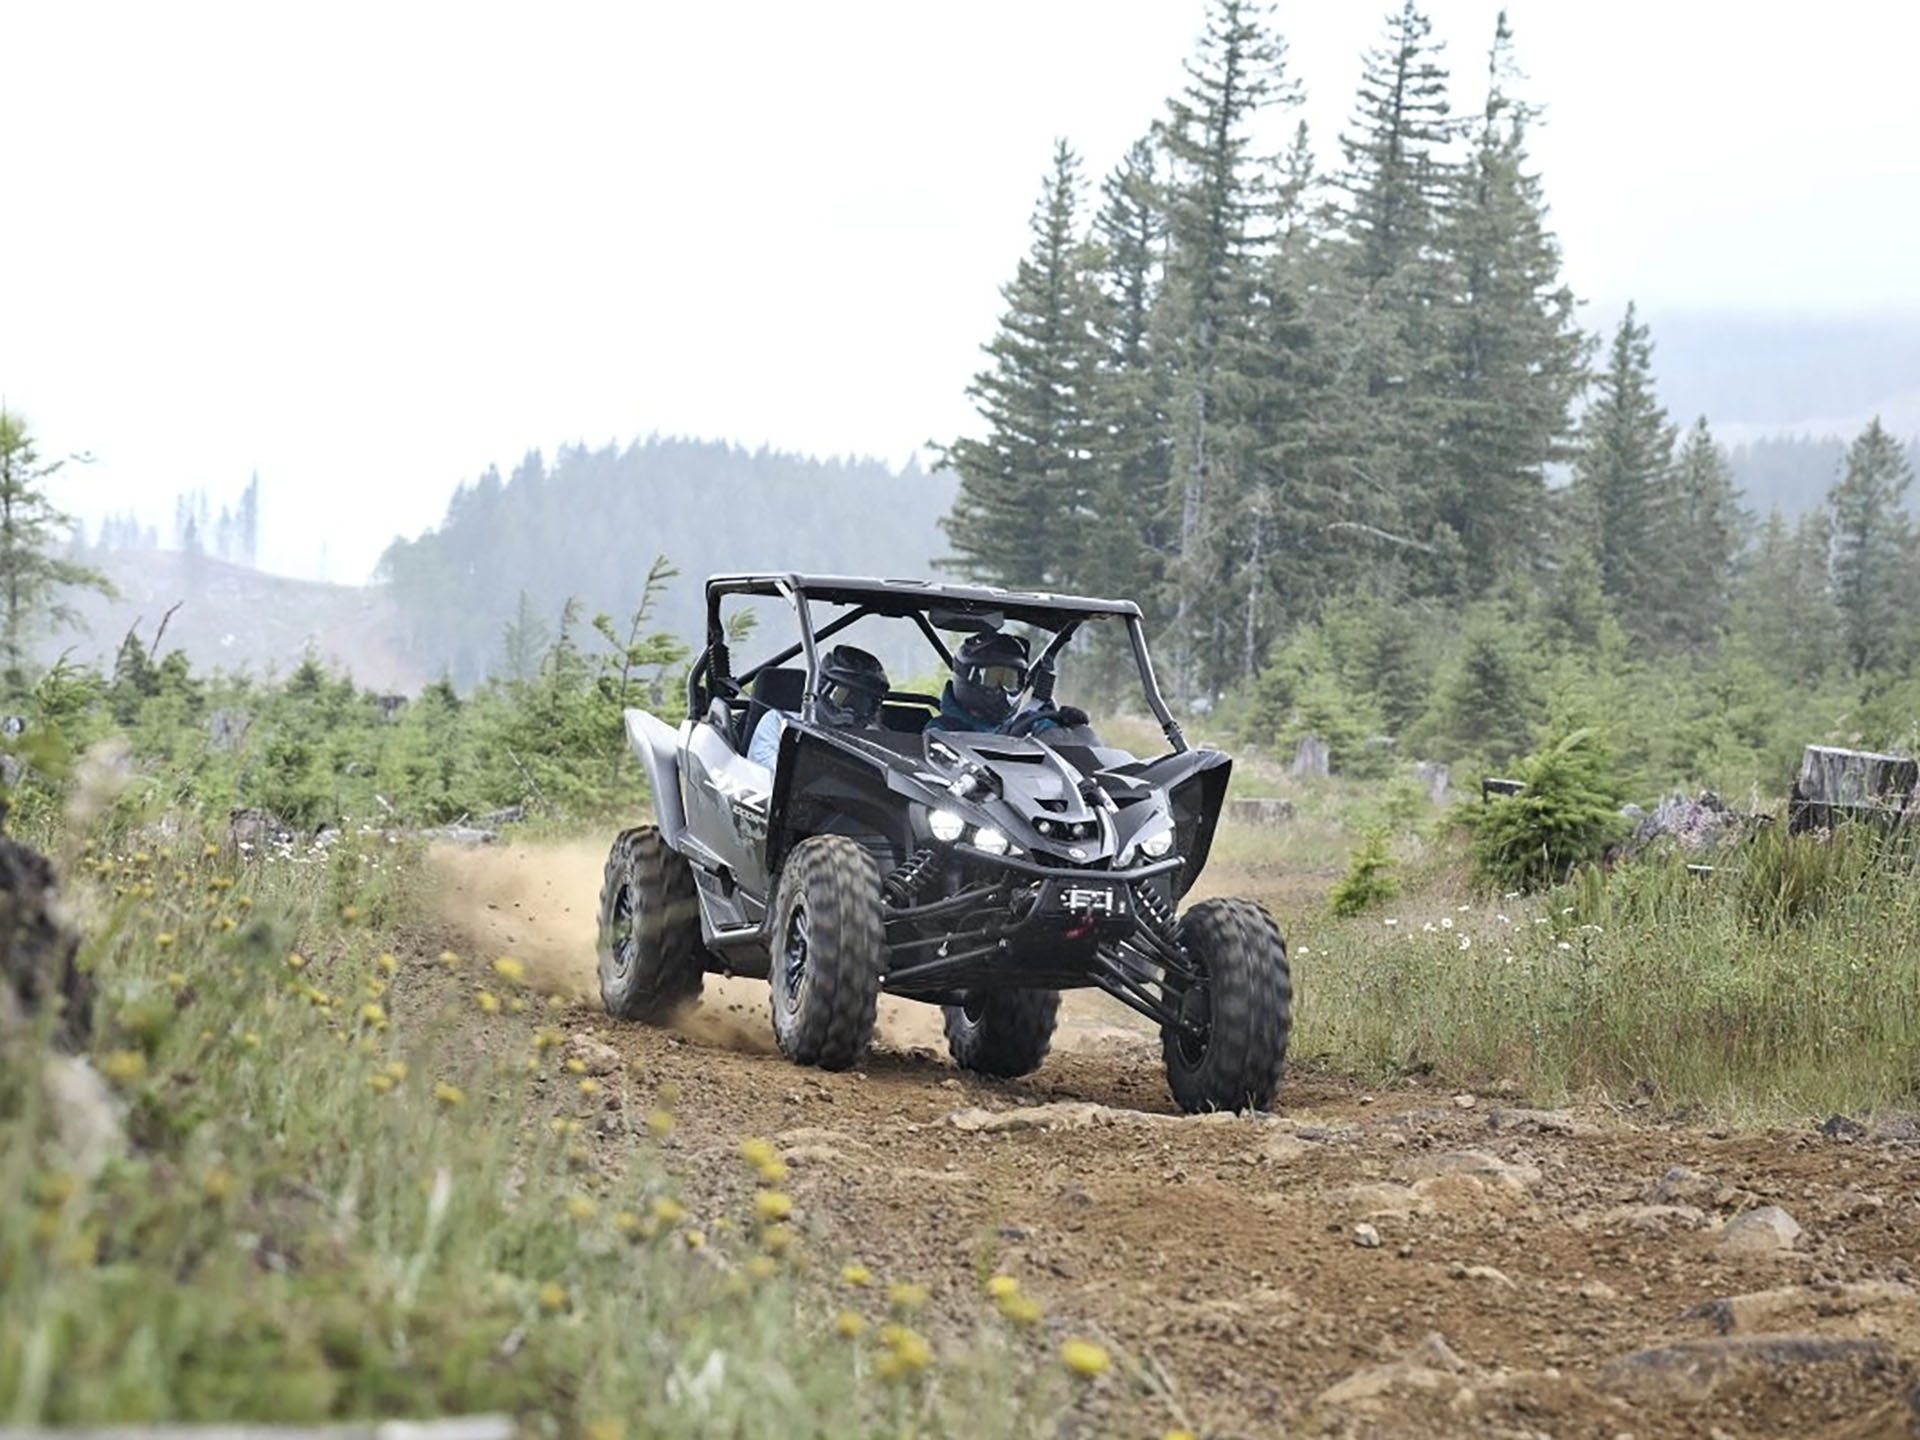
pixel 368 249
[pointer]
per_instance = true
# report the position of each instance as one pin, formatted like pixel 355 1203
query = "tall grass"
pixel 1785 981
pixel 358 1184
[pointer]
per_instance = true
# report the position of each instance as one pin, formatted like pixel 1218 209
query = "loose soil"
pixel 1285 1273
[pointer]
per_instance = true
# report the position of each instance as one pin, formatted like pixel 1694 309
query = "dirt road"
pixel 1402 1262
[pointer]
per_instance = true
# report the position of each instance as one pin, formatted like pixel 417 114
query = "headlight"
pixel 945 825
pixel 1157 844
pixel 990 840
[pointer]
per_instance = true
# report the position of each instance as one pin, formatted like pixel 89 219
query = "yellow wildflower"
pixel 660 1123
pixel 376 987
pixel 589 1086
pixel 849 1325
pixel 564 1125
pixel 386 961
pixel 164 939
pixel 757 1152
pixel 553 1297
pixel 448 1095
pixel 776 1238
pixel 696 1239
pixel 772 1205
pixel 245 902
pixel 1020 1309
pixel 249 1040
pixel 225 922
pixel 581 1207
pixel 907 1353
pixel 576 1066
pixel 449 959
pixel 397 1069
pixel 773 1172
pixel 668 1211
pixel 218 1184
pixel 670 1092
pixel 905 1297
pixel 381 1082
pixel 1001 1286
pixel 626 1222
pixel 1083 1357
pixel 546 1037
pixel 604 1428
pixel 763 1267
pixel 857 1275
pixel 176 980
pixel 516 1005
pixel 488 1002
pixel 373 1013
pixel 296 961
pixel 123 1067
pixel 510 969
pixel 556 1002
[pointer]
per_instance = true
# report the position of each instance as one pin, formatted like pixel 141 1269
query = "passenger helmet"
pixel 852 685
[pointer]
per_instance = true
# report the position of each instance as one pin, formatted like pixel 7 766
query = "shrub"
pixel 1567 816
pixel 1369 879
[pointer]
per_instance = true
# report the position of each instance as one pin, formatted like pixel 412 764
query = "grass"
pixel 1786 982
pixel 350 1191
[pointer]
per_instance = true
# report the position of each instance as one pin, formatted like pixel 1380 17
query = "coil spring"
pixel 1147 901
pixel 904 885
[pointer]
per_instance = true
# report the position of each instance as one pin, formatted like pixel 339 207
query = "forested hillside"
pixel 511 553
pixel 1378 482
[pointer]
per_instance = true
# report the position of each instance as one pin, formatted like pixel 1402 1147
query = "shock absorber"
pixel 1151 908
pixel 902 888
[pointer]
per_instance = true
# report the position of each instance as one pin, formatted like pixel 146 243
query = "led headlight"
pixel 945 825
pixel 990 840
pixel 1157 844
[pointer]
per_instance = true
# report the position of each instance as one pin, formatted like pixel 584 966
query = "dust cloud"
pixel 541 903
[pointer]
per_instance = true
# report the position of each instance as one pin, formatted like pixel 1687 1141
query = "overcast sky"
pixel 368 249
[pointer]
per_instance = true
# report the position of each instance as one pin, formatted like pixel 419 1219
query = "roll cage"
pixel 930 605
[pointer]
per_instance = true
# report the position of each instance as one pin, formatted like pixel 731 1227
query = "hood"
pixel 1029 790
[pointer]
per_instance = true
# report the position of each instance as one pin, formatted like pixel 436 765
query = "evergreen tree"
pixel 1783 609
pixel 1214 199
pixel 1025 487
pixel 1620 489
pixel 33 572
pixel 1706 535
pixel 1873 557
pixel 248 521
pixel 1515 359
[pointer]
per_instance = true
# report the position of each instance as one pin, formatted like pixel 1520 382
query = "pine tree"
pixel 1515 358
pixel 1873 552
pixel 1026 485
pixel 1782 606
pixel 1706 535
pixel 1213 202
pixel 1620 491
pixel 33 572
pixel 249 521
pixel 1392 287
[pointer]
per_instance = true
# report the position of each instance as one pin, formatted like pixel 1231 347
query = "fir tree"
pixel 33 572
pixel 1213 201
pixel 1872 562
pixel 1783 608
pixel 1515 359
pixel 1620 489
pixel 1024 486
pixel 1706 535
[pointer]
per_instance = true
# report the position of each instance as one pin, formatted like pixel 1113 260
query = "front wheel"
pixel 651 958
pixel 1229 1054
pixel 1002 1032
pixel 827 941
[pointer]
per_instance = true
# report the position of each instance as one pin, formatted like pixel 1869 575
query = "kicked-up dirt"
pixel 1397 1262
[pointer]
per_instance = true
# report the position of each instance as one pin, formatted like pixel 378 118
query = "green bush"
pixel 1567 816
pixel 1369 879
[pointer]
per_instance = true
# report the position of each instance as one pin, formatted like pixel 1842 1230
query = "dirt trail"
pixel 1283 1274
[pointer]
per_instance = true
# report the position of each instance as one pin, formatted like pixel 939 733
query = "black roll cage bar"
pixel 797 590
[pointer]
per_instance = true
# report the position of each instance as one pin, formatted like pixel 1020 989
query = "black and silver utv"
pixel 981 872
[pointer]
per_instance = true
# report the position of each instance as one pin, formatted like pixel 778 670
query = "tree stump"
pixel 1435 778
pixel 38 968
pixel 1835 785
pixel 1311 759
pixel 1260 810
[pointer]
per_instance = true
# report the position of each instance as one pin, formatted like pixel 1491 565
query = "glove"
pixel 1068 716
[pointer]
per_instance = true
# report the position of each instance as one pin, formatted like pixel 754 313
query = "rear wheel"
pixel 651 958
pixel 1002 1032
pixel 1229 1054
pixel 827 942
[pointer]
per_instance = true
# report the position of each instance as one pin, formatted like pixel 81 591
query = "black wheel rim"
pixel 623 942
pixel 974 1009
pixel 1196 1028
pixel 793 955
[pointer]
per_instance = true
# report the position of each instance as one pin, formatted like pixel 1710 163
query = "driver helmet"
pixel 989 672
pixel 852 685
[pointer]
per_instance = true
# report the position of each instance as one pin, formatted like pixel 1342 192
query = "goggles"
pixel 1001 677
pixel 853 699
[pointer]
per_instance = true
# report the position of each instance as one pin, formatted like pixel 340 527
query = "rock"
pixel 1843 1128
pixel 1459 1271
pixel 1682 1186
pixel 1383 1199
pixel 1749 1312
pixel 1599 1292
pixel 1654 1219
pixel 1466 1102
pixel 1279 1149
pixel 1429 1365
pixel 1692 1371
pixel 1765 1231
pixel 1366 1237
pixel 1482 1165
pixel 599 1057
pixel 1056 1115
pixel 250 828
pixel 1536 1122
pixel 1896 1130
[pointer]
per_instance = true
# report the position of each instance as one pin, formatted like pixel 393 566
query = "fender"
pixel 658 746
